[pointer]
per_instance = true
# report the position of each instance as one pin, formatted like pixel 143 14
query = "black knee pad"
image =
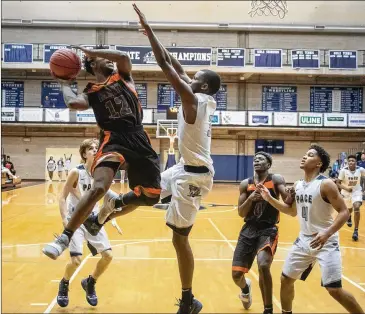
pixel 139 200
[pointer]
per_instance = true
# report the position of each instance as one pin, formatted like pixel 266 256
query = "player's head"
pixel 315 158
pixel 363 157
pixel 206 82
pixel 88 149
pixel 262 162
pixel 61 158
pixel 51 157
pixel 98 65
pixel 352 161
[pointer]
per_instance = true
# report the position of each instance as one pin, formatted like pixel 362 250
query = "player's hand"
pixel 320 240
pixel 142 18
pixel 62 81
pixel 291 195
pixel 264 192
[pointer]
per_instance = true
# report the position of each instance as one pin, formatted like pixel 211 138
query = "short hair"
pixel 351 156
pixel 213 80
pixel 323 155
pixel 87 61
pixel 267 156
pixel 85 145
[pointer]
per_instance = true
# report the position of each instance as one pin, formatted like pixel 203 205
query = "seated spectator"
pixel 10 165
pixel 361 163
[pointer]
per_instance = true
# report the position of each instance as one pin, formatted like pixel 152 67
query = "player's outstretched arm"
pixel 67 189
pixel 284 208
pixel 122 60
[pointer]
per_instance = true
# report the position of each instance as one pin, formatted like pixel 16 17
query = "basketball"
pixel 65 64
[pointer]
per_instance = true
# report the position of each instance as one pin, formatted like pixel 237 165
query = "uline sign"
pixel 307 120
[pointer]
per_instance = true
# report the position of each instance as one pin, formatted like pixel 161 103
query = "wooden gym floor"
pixel 143 276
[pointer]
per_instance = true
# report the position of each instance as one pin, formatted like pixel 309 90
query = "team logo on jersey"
pixel 194 191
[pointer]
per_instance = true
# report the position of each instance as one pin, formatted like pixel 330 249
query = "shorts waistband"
pixel 196 169
pixel 137 128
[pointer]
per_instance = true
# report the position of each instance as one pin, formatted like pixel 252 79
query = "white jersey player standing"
pixel 192 178
pixel 349 181
pixel 78 183
pixel 314 199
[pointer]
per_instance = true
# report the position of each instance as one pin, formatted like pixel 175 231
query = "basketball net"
pixel 269 7
pixel 172 134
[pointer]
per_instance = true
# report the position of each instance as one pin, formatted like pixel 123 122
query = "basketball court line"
pixel 276 302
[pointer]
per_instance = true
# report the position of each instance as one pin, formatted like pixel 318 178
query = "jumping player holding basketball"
pixel 259 235
pixel 123 141
pixel 314 199
pixel 350 183
pixel 192 178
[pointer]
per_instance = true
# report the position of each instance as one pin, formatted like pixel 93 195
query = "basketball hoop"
pixel 269 7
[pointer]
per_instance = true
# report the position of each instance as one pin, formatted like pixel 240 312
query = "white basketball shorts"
pixel 96 244
pixel 351 198
pixel 302 258
pixel 187 190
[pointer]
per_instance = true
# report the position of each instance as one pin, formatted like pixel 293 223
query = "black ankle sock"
pixel 65 281
pixel 245 290
pixel 68 233
pixel 186 296
pixel 268 309
pixel 287 312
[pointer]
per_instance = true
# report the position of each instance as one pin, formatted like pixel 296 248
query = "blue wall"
pixel 232 167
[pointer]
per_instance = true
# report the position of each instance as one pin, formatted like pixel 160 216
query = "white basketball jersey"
pixel 84 183
pixel 51 165
pixel 351 178
pixel 315 214
pixel 195 139
pixel 68 163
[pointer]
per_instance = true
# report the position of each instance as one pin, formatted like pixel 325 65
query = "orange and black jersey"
pixel 115 103
pixel 262 213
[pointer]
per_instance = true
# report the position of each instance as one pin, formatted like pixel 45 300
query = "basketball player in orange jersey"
pixel 259 235
pixel 123 141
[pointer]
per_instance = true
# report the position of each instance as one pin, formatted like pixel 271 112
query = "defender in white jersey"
pixel 78 183
pixel 192 178
pixel 314 199
pixel 350 183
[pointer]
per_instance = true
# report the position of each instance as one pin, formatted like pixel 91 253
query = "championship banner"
pixel 49 49
pixel 286 118
pixel 256 118
pixel 343 59
pixel 268 58
pixel 143 55
pixel 85 116
pixel 233 117
pixel 12 94
pixel 305 59
pixel 31 114
pixel 357 120
pixel 147 116
pixel 57 115
pixel 52 96
pixel 335 119
pixel 310 119
pixel 19 53
pixel 231 57
pixel 7 114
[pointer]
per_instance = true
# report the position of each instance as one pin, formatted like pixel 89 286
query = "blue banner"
pixel 141 89
pixel 305 59
pixel 18 53
pixel 343 59
pixel 50 49
pixel 269 146
pixel 221 98
pixel 186 56
pixel 52 96
pixel 231 57
pixel 336 99
pixel 268 58
pixel 167 97
pixel 12 94
pixel 279 98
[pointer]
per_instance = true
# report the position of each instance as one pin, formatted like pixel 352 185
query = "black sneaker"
pixel 88 284
pixel 355 235
pixel 62 297
pixel 91 224
pixel 194 308
pixel 349 222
